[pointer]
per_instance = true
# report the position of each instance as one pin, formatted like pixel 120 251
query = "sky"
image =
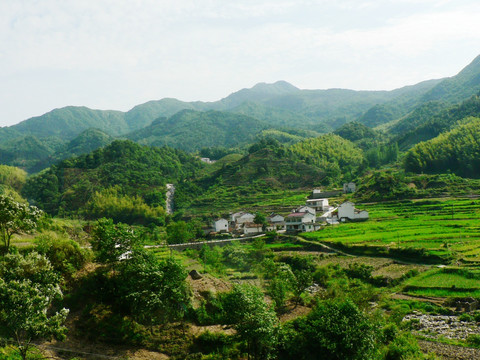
pixel 115 54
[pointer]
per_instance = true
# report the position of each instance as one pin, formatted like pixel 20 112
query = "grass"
pixel 441 227
pixel 223 200
pixel 448 282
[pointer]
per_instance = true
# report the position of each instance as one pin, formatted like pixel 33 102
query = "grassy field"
pixel 445 282
pixel 448 228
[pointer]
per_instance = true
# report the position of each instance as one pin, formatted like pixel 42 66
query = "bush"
pixel 466 318
pixel 403 348
pixel 65 255
pixel 474 340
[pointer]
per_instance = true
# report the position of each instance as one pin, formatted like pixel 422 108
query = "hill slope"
pixel 192 130
pixel 457 151
pixel 131 169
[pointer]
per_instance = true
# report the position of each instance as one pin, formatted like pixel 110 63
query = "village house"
pixel 347 211
pixel 300 222
pixel 252 229
pixel 275 222
pixel 320 205
pixel 220 225
pixel 240 218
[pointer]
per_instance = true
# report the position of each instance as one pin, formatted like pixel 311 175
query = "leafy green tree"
pixel 15 218
pixel 65 255
pixel 280 285
pixel 336 330
pixel 111 242
pixel 28 286
pixel 260 218
pixel 253 319
pixel 179 232
pixel 154 292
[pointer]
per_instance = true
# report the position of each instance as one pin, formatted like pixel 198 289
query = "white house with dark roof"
pixel 300 222
pixel 320 205
pixel 252 229
pixel 275 222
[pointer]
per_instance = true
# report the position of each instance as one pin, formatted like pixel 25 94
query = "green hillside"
pixel 441 122
pixel 361 135
pixel 331 153
pixel 70 121
pixel 130 169
pixel 459 87
pixel 417 117
pixel 142 115
pixel 456 151
pixel 192 130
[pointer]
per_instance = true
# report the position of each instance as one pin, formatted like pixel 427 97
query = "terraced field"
pixel 447 282
pixel 448 228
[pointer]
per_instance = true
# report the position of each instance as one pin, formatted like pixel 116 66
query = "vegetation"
pixel 341 292
pixel 15 217
pixel 457 151
pixel 28 287
pixel 192 130
pixel 111 180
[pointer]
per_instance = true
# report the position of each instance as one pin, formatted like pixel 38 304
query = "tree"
pixel 179 232
pixel 337 330
pixel 15 218
pixel 112 242
pixel 154 292
pixel 280 285
pixel 253 319
pixel 28 286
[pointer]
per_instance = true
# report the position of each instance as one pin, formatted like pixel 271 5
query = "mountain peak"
pixel 278 87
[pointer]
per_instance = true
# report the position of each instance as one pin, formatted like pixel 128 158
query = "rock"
pixel 195 275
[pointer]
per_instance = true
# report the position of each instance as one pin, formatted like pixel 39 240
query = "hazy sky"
pixel 114 54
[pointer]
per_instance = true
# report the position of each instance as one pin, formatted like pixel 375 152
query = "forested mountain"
pixel 430 94
pixel 456 151
pixel 356 131
pixel 70 121
pixel 267 165
pixel 310 162
pixel 192 130
pixel 440 122
pixel 459 87
pixel 279 110
pixel 417 117
pixel 122 171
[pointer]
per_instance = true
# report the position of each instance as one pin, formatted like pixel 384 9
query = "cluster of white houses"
pixel 309 217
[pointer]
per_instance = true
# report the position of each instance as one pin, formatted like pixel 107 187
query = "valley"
pixel 118 241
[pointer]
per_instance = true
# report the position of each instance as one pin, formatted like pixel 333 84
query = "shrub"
pixel 65 255
pixel 474 340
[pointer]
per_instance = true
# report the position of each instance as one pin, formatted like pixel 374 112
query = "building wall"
pixel 245 218
pixel 251 231
pixel 346 210
pixel 220 225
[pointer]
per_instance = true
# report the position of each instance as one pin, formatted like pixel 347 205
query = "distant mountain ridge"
pixel 238 118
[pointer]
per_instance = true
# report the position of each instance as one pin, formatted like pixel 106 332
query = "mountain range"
pixel 236 120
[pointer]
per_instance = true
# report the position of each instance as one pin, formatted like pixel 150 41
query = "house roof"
pixel 297 214
pixel 252 225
